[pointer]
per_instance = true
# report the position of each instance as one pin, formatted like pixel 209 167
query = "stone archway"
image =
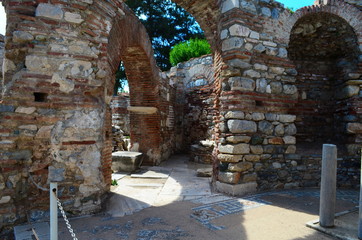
pixel 325 50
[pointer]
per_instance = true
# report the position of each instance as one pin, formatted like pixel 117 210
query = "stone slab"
pixel 123 161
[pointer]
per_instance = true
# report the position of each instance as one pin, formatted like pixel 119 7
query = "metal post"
pixel 360 205
pixel 328 186
pixel 53 211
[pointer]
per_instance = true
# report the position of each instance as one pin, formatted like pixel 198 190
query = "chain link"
pixel 70 229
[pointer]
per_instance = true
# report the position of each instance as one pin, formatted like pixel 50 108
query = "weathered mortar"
pixel 59 69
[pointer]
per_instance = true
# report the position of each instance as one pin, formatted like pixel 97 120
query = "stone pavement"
pixel 170 202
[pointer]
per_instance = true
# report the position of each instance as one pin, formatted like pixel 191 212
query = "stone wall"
pixel 195 79
pixel 59 71
pixel 120 114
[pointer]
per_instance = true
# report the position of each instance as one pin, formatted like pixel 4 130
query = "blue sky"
pixel 294 4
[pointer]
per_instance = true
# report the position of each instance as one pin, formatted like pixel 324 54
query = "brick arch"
pixel 348 12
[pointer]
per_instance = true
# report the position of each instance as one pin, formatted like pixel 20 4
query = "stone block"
pixel 204 172
pixel 290 130
pixel 240 167
pixel 252 158
pixel 276 141
pixel 252 177
pixel 256 149
pixel 286 118
pixel 5 199
pixel 241 84
pixel 277 165
pixel 242 126
pixel 279 130
pixel 289 89
pixel 73 17
pixel 276 88
pixel 232 43
pixel 234 115
pixel 265 127
pixel 260 48
pixel 238 63
pixel 248 6
pixel 239 30
pixel 282 52
pixel 238 139
pixel 123 161
pixel 252 73
pixel 289 140
pixel 266 11
pixel 348 91
pixel 237 189
pixel 26 110
pixel 241 148
pixel 142 110
pixel 229 4
pixel 261 85
pixel 22 37
pixel 49 11
pixel 254 35
pixel 258 116
pixel 261 67
pixel 354 127
pixel 229 177
pixel 229 158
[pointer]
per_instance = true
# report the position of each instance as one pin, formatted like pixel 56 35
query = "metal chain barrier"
pixel 70 229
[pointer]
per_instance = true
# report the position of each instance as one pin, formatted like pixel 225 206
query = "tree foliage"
pixel 167 24
pixel 189 49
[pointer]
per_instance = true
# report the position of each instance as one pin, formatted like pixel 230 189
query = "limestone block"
pixel 123 161
pixel 223 34
pixel 265 127
pixel 49 11
pixel 5 199
pixel 289 89
pixel 289 140
pixel 286 118
pixel 25 110
pixel 238 63
pixel 257 116
pixel 272 117
pixel 283 53
pixel 290 130
pixel 248 6
pixel 277 165
pixel 276 141
pixel 241 148
pixel 261 85
pixel 279 130
pixel 254 35
pixel 291 149
pixel 242 84
pixel 261 67
pixel 234 115
pixel 348 91
pixel 266 11
pixel 41 64
pixel 249 46
pixel 252 73
pixel 238 139
pixel 276 87
pixel 237 189
pixel 204 172
pixel 65 85
pixel 354 127
pixel 22 37
pixel 229 4
pixel 73 17
pixel 275 13
pixel 240 167
pixel 252 177
pixel 260 48
pixel 229 158
pixel 256 149
pixel 242 126
pixel 252 158
pixel 229 177
pixel 277 70
pixel 271 51
pixel 239 30
pixel 232 43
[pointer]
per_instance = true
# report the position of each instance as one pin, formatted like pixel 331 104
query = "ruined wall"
pixel 195 100
pixel 120 115
pixel 263 95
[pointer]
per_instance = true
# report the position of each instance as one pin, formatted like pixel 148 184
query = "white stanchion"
pixel 53 211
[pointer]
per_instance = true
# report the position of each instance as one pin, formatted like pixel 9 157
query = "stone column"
pixel 328 186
